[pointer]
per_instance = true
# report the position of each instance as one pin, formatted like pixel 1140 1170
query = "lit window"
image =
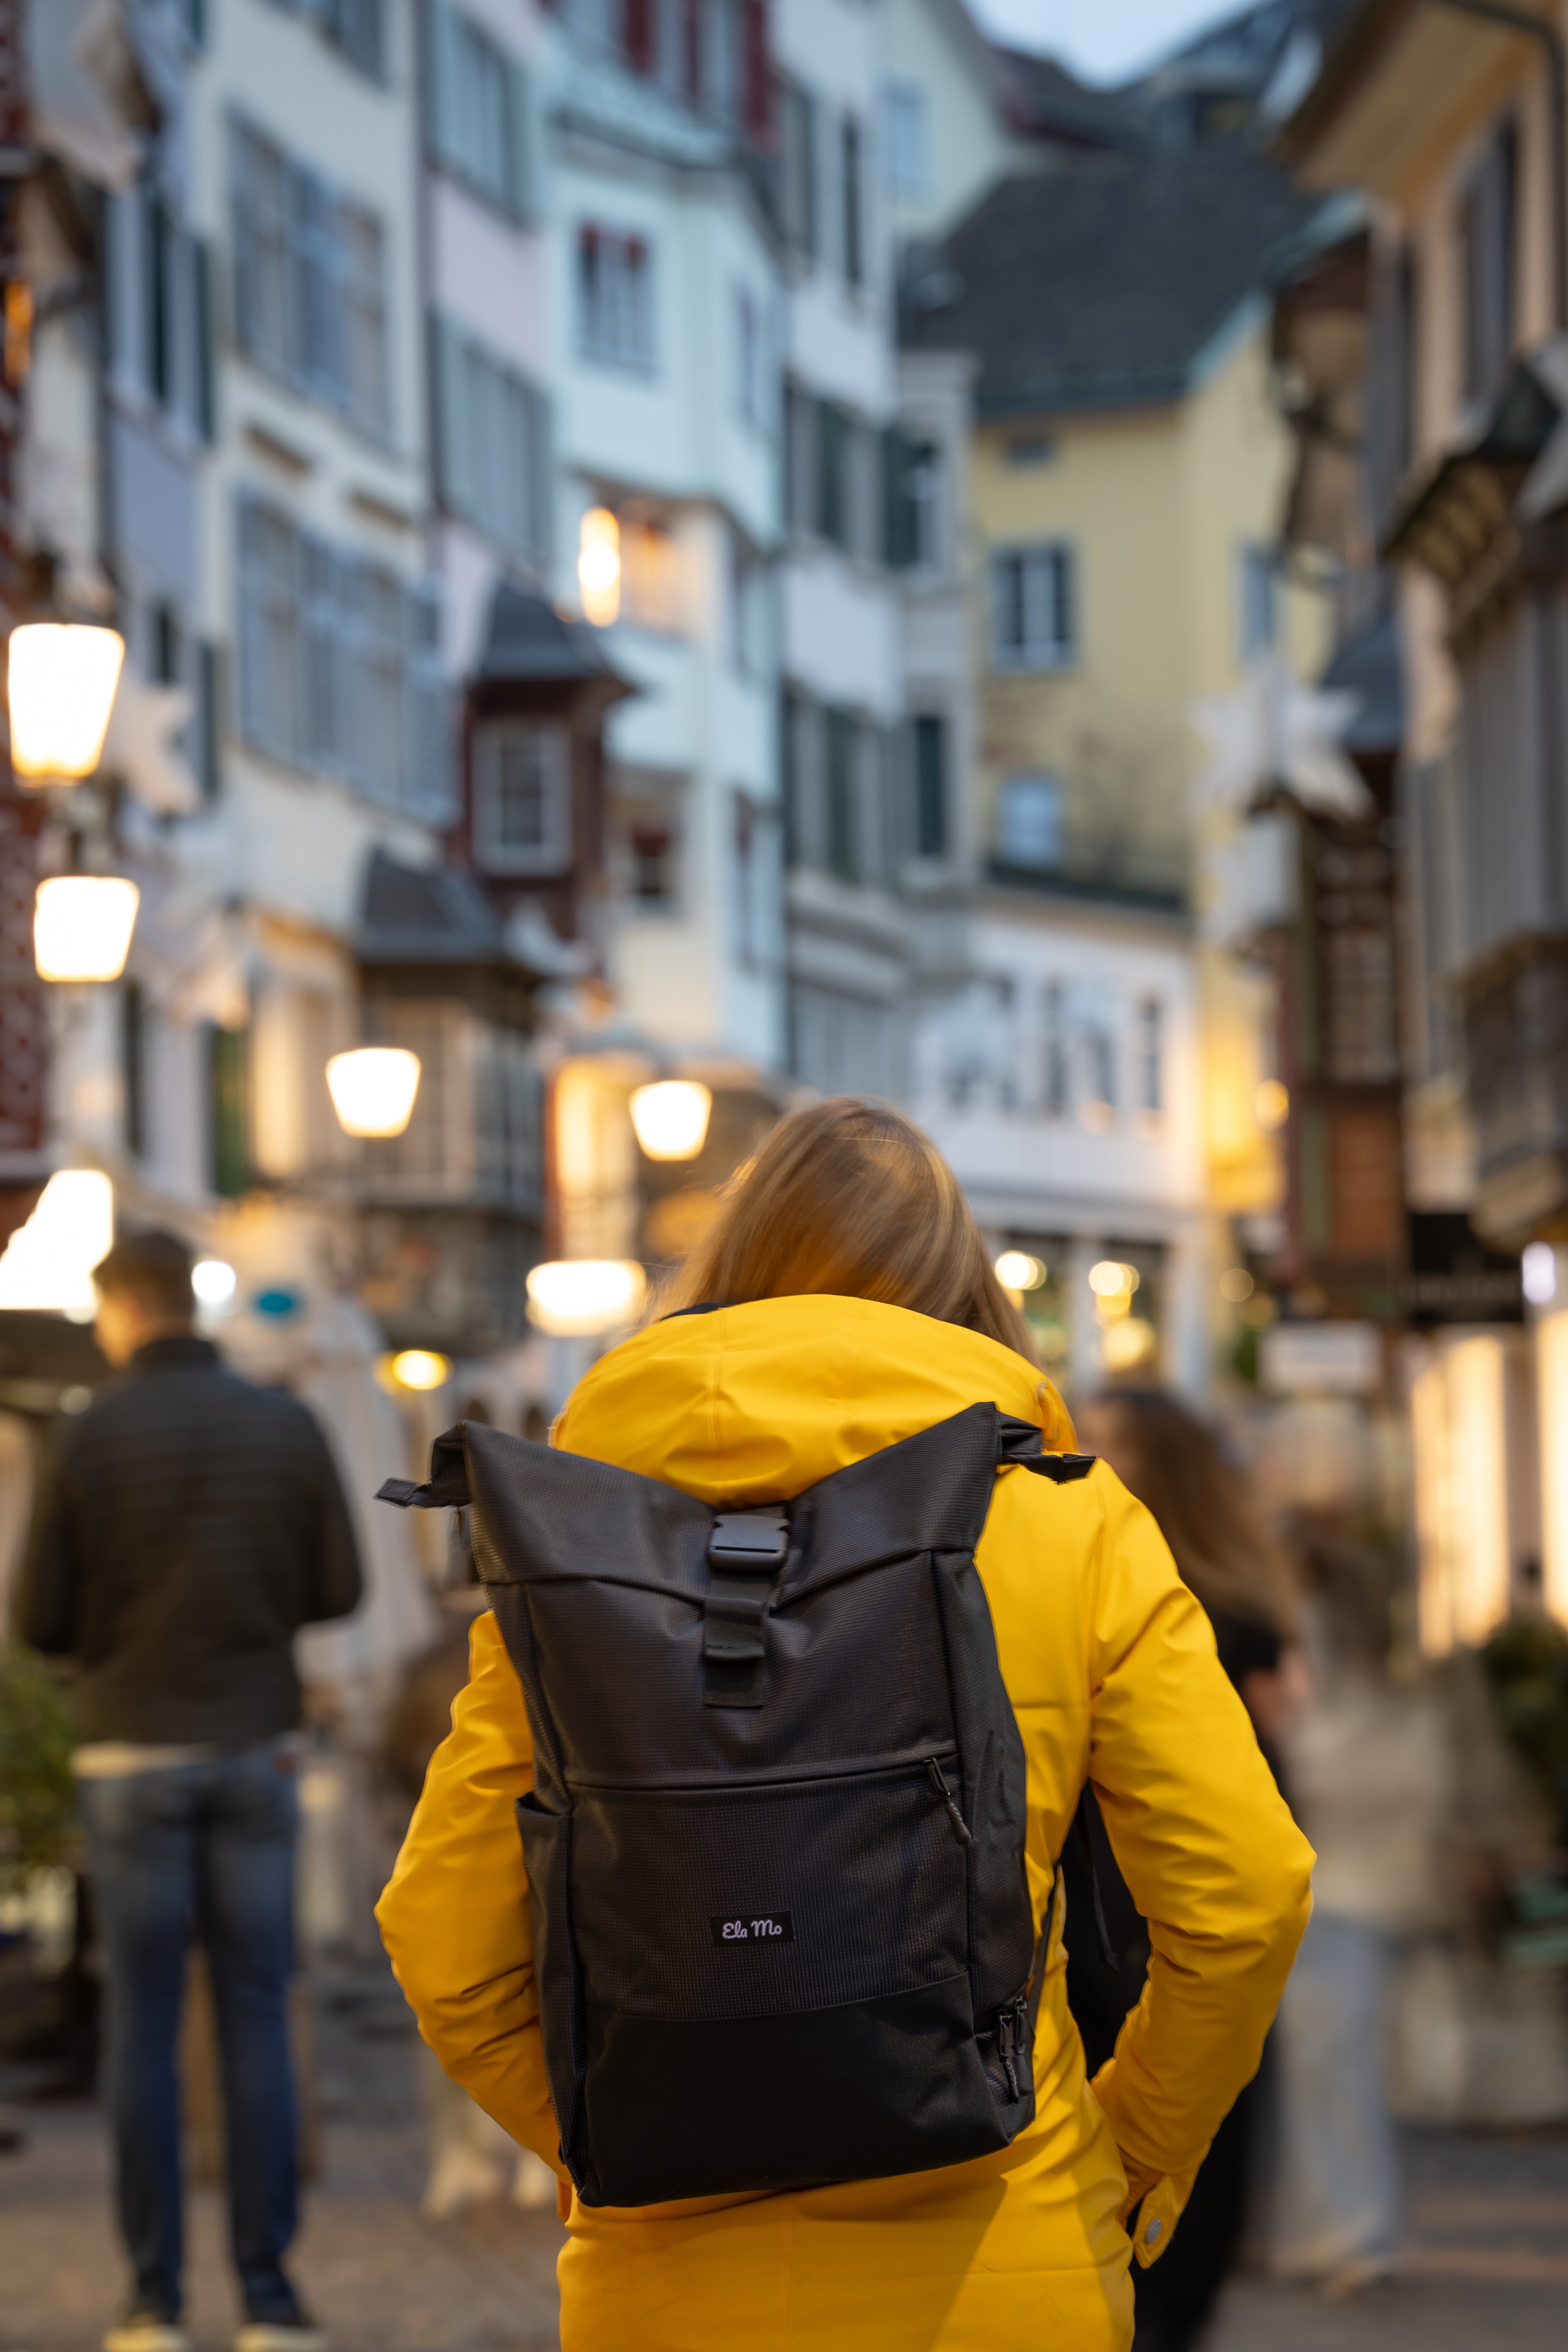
pixel 1034 623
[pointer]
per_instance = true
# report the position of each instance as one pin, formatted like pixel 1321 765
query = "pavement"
pixel 1485 2264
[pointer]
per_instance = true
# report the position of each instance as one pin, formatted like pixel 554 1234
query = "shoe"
pixel 146 2331
pixel 295 2335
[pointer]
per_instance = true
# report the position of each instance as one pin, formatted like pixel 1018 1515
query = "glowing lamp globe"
pixel 372 1089
pixel 82 925
pixel 47 1263
pixel 60 685
pixel 422 1368
pixel 672 1117
pixel 1017 1270
pixel 599 566
pixel 580 1298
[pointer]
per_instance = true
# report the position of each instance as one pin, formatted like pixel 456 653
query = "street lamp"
pixel 581 1299
pixel 60 682
pixel 82 925
pixel 672 1117
pixel 599 566
pixel 47 1262
pixel 372 1089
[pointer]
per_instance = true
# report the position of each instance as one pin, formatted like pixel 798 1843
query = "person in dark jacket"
pixel 185 1525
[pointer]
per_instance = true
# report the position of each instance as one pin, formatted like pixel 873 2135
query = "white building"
pixel 664 332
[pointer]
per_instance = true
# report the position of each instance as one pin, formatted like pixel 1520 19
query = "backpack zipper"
pixel 1010 2027
pixel 940 1787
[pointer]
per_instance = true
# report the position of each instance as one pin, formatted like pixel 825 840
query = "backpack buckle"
pixel 746 1553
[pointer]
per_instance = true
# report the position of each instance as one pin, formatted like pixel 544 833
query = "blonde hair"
pixel 848 1198
pixel 1170 1461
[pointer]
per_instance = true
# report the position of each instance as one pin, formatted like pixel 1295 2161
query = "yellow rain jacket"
pixel 1111 1669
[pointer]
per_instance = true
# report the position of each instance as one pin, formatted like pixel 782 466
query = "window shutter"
pixel 454 456
pixel 252 662
pixel 524 195
pixel 445 129
pixel 321 732
pixel 243 200
pixel 429 771
pixel 542 477
pixel 202 338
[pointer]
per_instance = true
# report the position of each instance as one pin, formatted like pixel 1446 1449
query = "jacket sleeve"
pixel 44 1597
pixel 1210 1855
pixel 336 1582
pixel 454 1917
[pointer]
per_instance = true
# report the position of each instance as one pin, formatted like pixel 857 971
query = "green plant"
pixel 37 1794
pixel 1526 1667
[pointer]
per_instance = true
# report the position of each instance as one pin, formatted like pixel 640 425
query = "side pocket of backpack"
pixel 547 1858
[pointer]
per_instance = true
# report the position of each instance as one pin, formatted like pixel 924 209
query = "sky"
pixel 1103 41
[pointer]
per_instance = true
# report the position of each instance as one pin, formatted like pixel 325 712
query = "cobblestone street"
pixel 1486 2264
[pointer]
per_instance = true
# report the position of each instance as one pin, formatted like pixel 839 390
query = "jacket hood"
pixel 754 1403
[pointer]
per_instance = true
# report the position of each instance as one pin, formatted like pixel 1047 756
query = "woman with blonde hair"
pixel 844 1302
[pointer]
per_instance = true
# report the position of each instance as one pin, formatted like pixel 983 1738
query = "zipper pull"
pixel 941 1789
pixel 1006 2035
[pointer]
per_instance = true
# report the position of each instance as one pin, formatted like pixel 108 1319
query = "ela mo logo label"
pixel 753 1927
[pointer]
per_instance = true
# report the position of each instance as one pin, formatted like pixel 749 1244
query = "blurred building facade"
pixel 1449 118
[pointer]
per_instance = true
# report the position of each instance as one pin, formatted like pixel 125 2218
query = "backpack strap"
pixel 447 1486
pixel 746 1554
pixel 1019 1442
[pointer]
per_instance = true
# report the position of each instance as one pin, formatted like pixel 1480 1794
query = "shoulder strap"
pixel 1019 1442
pixel 447 1488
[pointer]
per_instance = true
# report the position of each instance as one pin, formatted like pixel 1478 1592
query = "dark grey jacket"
pixel 187 1526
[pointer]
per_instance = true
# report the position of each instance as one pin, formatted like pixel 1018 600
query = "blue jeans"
pixel 201 1852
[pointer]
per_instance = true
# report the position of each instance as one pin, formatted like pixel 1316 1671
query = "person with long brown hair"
pixel 1167 1457
pixel 843 1302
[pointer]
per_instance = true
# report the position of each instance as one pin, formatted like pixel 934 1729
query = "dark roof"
pixel 1044 101
pixel 426 915
pixel 1368 664
pixel 528 641
pixel 1103 286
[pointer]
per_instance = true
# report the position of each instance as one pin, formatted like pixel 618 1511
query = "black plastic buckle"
pixel 746 1552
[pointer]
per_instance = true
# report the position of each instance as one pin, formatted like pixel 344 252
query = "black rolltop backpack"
pixel 782 1929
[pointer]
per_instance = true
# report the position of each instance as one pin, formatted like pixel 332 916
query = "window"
pixel 843 831
pixel 850 145
pixel 133 1067
pixel 834 517
pixel 800 172
pixel 492 443
pixel 653 864
pixel 751 361
pixel 167 667
pixel 340 665
pixel 758 901
pixel 352 26
pixel 1029 822
pixel 650 573
pixel 748 608
pixel 911 481
pixel 929 757
pixel 310 282
pixel 158 247
pixel 1257 620
pixel 522 804
pixel 904 138
pixel 1151 1056
pixel 615 298
pixel 1487 234
pixel 1033 620
pixel 1056 1074
pixel 478 110
pixel 229 1112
